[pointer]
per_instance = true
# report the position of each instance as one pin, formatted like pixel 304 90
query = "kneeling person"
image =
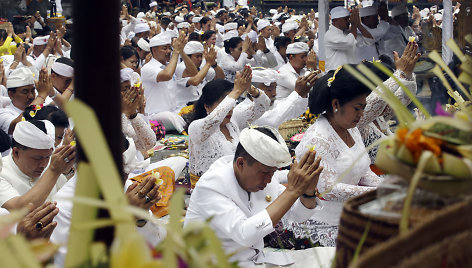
pixel 244 201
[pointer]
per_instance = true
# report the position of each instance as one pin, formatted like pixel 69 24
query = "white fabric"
pixel 141 28
pixel 29 135
pixel 286 80
pixel 179 19
pixel 206 141
pixel 125 74
pixel 62 69
pixel 336 157
pixel 340 48
pixel 130 162
pixel 20 77
pixel 396 39
pixel 280 111
pixel 297 48
pixel 231 66
pixel 438 16
pixel 231 26
pixel 371 51
pixel 19 183
pixel 183 25
pixel 196 19
pixel 41 40
pixel 398 10
pixel 7 115
pixel 153 4
pixel 193 47
pixel 161 39
pixel 143 44
pixel 288 26
pixel 264 149
pixel 185 93
pixel 230 34
pixel 240 219
pixel 261 24
pixel 159 95
pixel 339 12
pixel 140 15
pixel 368 11
pixel 266 76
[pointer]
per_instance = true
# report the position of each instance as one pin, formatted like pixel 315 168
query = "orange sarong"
pixel 166 189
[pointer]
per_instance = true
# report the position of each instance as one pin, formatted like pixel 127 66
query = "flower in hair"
pixel 331 80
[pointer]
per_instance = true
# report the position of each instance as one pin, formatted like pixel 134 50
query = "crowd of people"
pixel 228 78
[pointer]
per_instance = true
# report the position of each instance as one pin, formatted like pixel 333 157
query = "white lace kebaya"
pixel 206 141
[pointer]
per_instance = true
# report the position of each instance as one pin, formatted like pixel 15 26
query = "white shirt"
pixel 230 66
pixel 337 157
pixel 206 141
pixel 7 115
pixel 160 96
pixel 280 60
pixel 282 110
pixel 20 182
pixel 371 51
pixel 340 48
pixel 185 93
pixel 286 80
pixel 240 220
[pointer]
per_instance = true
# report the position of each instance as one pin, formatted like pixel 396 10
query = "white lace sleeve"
pixel 257 108
pixel 200 130
pixel 228 63
pixel 145 137
pixel 410 85
pixel 370 179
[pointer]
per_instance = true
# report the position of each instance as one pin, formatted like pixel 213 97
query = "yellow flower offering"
pixel 157 175
pixel 73 143
pixel 411 39
pixel 32 113
pixel 311 148
pixel 137 84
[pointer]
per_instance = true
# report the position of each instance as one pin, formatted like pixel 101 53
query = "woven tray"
pixel 292 127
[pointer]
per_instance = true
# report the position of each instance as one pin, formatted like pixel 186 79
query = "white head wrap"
pixel 62 69
pixel 152 4
pixel 288 26
pixel 231 26
pixel 166 14
pixel 273 11
pixel 368 11
pixel 230 35
pixel 171 34
pixel 140 15
pixel 261 24
pixel 368 3
pixel 41 40
pixel 179 19
pixel 141 27
pixel 297 48
pixel 438 16
pixel 130 162
pixel 398 10
pixel 20 77
pixel 125 74
pixel 252 35
pixel 265 76
pixel 196 19
pixel 264 149
pixel 29 135
pixel 193 47
pixel 220 28
pixel 183 25
pixel 339 12
pixel 161 39
pixel 143 44
pixel 424 13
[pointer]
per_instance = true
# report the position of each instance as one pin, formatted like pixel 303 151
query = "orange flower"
pixel 416 143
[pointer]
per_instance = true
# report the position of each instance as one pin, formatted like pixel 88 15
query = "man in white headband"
pixel 142 30
pixel 342 37
pixel 26 176
pixel 244 202
pixel 297 54
pixel 22 93
pixel 157 76
pixel 370 20
pixel 143 51
pixel 398 34
pixel 289 29
pixel 265 30
pixel 62 74
pixel 189 88
pixel 283 109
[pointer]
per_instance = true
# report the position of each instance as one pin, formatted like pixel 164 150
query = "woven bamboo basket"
pixel 292 127
pixel 440 241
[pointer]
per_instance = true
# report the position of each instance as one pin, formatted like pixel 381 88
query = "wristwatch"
pixel 315 195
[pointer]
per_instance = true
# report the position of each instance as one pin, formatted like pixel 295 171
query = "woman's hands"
pixel 242 82
pixel 408 60
pixel 130 101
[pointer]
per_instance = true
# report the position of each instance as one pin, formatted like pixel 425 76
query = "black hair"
pixel 282 41
pixel 345 88
pixel 241 152
pixel 26 46
pixel 128 52
pixel 207 35
pixel 56 116
pixel 187 18
pixel 38 124
pixel 233 42
pixel 211 93
pixel 165 21
pixel 19 28
pixel 220 13
pixel 194 37
pixel 204 20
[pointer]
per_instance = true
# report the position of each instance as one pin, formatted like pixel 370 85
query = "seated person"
pixel 245 202
pixel 26 176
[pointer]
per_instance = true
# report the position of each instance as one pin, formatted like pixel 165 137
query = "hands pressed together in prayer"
pixel 133 101
pixel 63 159
pixel 242 82
pixel 304 83
pixel 303 176
pixel 408 60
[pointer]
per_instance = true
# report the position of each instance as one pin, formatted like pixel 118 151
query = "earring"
pixel 336 110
